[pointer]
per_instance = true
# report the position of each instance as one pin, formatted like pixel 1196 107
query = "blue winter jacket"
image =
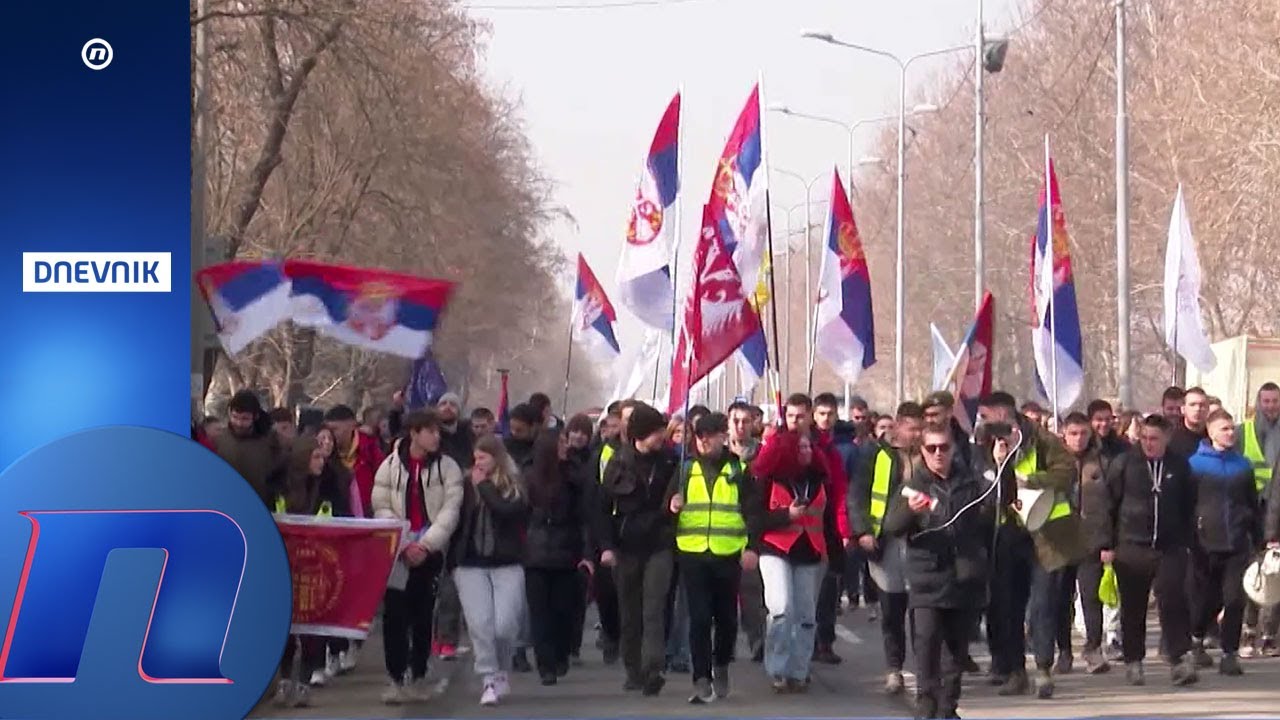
pixel 1228 517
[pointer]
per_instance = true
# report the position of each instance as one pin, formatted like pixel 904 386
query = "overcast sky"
pixel 594 82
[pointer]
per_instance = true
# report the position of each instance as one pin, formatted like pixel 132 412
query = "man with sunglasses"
pixel 945 523
pixel 875 483
pixel 1030 566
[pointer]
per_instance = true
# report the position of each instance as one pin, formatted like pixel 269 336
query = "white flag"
pixel 943 359
pixel 1183 327
pixel 639 365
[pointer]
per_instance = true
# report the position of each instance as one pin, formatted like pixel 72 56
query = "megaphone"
pixel 1262 579
pixel 1033 506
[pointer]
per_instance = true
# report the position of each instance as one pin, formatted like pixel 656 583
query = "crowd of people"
pixel 686 531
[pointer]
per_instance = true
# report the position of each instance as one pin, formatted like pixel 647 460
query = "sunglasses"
pixel 937 449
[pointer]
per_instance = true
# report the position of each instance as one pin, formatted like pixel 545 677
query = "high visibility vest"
pixel 1253 453
pixel 606 454
pixel 711 522
pixel 880 489
pixel 781 498
pixel 1061 501
pixel 325 510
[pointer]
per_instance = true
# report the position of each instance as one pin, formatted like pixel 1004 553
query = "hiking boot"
pixel 653 686
pixel 1184 673
pixel 520 662
pixel 1230 666
pixel 825 655
pixel 1095 663
pixel 1017 684
pixel 1066 662
pixel 894 684
pixel 1134 675
pixel 702 693
pixel 1044 684
pixel 1199 656
pixel 720 682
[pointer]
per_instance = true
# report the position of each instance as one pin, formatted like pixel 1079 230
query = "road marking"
pixel 847 635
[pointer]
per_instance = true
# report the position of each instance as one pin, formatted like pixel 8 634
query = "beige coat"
pixel 442 483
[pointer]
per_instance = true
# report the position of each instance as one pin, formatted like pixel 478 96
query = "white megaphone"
pixel 1262 579
pixel 1033 506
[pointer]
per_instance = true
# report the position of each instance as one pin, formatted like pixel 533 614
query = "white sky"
pixel 594 82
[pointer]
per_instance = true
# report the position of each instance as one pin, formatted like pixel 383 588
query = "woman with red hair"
pixel 799 527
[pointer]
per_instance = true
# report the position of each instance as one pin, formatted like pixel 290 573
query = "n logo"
pixel 200 556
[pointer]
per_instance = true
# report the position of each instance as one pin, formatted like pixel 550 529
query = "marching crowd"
pixel 684 531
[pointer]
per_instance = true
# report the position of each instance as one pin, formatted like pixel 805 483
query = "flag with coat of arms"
pixel 1055 320
pixel 739 209
pixel 593 316
pixel 845 333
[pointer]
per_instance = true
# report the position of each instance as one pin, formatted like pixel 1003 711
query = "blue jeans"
pixel 678 627
pixel 791 598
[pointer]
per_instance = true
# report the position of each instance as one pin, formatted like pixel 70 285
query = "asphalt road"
pixel 851 689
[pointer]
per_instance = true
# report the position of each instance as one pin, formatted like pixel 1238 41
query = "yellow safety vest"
pixel 1253 453
pixel 880 489
pixel 1061 502
pixel 711 522
pixel 606 454
pixel 325 510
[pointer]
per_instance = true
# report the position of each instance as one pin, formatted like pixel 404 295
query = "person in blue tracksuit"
pixel 1228 528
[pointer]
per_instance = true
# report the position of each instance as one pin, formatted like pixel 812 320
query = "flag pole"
pixel 768 225
pixel 674 263
pixel 1050 257
pixel 1177 306
pixel 568 368
pixel 822 269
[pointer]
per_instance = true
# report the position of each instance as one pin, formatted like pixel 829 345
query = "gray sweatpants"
pixel 493 606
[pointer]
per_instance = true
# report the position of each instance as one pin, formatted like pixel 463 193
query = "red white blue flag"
pixel 504 410
pixel 846 329
pixel 246 298
pixel 644 268
pixel 739 209
pixel 375 309
pixel 1055 318
pixel 970 376
pixel 593 316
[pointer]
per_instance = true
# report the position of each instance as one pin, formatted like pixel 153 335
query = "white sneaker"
pixel 502 684
pixel 319 678
pixel 347 660
pixel 489 697
pixel 394 694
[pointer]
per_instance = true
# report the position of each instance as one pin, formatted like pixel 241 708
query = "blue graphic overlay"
pixel 96 158
pixel 140 577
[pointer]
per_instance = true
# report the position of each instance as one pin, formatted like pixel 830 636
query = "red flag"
pixel 971 374
pixel 504 412
pixel 717 316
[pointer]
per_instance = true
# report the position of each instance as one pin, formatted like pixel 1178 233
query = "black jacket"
pixel 946 567
pixel 632 513
pixel 1139 515
pixel 490 528
pixel 557 537
pixel 749 502
pixel 1110 447
pixel 459 444
pixel 1184 443
pixel 1227 512
pixel 521 452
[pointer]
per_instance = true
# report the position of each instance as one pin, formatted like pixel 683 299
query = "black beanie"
pixel 338 413
pixel 644 421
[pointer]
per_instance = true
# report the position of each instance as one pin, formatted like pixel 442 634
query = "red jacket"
pixel 368 457
pixel 825 450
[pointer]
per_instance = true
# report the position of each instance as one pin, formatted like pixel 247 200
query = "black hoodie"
pixel 637 487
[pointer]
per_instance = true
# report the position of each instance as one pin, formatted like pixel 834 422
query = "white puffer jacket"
pixel 442 484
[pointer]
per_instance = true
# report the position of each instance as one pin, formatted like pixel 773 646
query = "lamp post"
pixel 1122 214
pixel 899 356
pixel 808 224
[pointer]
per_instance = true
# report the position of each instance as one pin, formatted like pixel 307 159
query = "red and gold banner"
pixel 340 568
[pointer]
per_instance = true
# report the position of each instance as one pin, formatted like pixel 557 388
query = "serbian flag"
pixel 739 209
pixel 970 377
pixel 593 316
pixel 1055 318
pixel 644 268
pixel 373 309
pixel 504 409
pixel 846 330
pixel 246 299
pixel 717 314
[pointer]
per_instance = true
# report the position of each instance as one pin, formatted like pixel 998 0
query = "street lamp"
pixel 899 356
pixel 808 224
